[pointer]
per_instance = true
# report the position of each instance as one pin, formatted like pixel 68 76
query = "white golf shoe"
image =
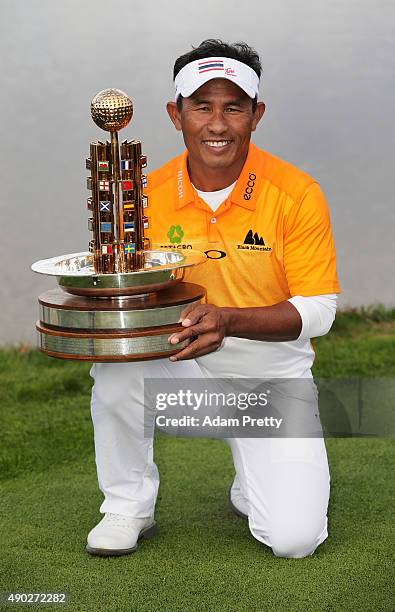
pixel 237 502
pixel 117 534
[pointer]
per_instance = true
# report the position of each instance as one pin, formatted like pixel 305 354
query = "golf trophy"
pixel 119 301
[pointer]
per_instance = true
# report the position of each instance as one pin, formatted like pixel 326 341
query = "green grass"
pixel 361 343
pixel 203 558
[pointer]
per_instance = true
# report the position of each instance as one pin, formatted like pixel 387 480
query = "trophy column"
pixel 116 182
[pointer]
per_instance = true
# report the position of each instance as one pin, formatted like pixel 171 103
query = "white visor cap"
pixel 197 73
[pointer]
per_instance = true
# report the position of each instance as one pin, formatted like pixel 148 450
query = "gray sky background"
pixel 327 83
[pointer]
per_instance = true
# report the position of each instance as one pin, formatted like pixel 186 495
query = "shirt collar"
pixel 245 192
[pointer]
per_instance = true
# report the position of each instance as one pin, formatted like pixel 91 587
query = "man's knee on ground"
pixel 293 543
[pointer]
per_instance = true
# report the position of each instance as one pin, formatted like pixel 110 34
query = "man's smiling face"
pixel 216 122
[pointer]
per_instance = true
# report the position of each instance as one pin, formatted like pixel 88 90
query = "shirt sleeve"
pixel 317 313
pixel 309 249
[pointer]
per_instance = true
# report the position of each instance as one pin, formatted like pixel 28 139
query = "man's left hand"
pixel 205 328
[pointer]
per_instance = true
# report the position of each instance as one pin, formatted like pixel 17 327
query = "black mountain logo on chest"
pixel 253 238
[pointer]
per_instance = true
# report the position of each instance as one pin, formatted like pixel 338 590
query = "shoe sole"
pixel 145 534
pixel 233 508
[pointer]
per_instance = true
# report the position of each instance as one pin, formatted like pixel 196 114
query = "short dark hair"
pixel 213 47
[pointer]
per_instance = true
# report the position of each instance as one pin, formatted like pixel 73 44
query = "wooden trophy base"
pixel 113 329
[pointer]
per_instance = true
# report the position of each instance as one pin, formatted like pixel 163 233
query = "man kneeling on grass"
pixel 271 286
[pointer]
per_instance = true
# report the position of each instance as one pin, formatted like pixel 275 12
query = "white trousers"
pixel 285 481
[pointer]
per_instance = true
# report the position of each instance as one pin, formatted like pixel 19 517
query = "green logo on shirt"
pixel 175 234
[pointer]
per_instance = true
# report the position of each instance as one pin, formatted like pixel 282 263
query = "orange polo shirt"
pixel 270 240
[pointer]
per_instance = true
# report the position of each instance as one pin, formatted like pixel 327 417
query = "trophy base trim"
pixel 110 358
pixel 117 345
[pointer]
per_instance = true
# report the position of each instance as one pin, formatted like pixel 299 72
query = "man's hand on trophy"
pixel 205 328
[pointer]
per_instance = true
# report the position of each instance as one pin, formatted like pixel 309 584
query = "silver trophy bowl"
pixel 160 269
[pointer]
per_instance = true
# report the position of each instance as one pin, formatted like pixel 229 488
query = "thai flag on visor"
pixel 205 66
